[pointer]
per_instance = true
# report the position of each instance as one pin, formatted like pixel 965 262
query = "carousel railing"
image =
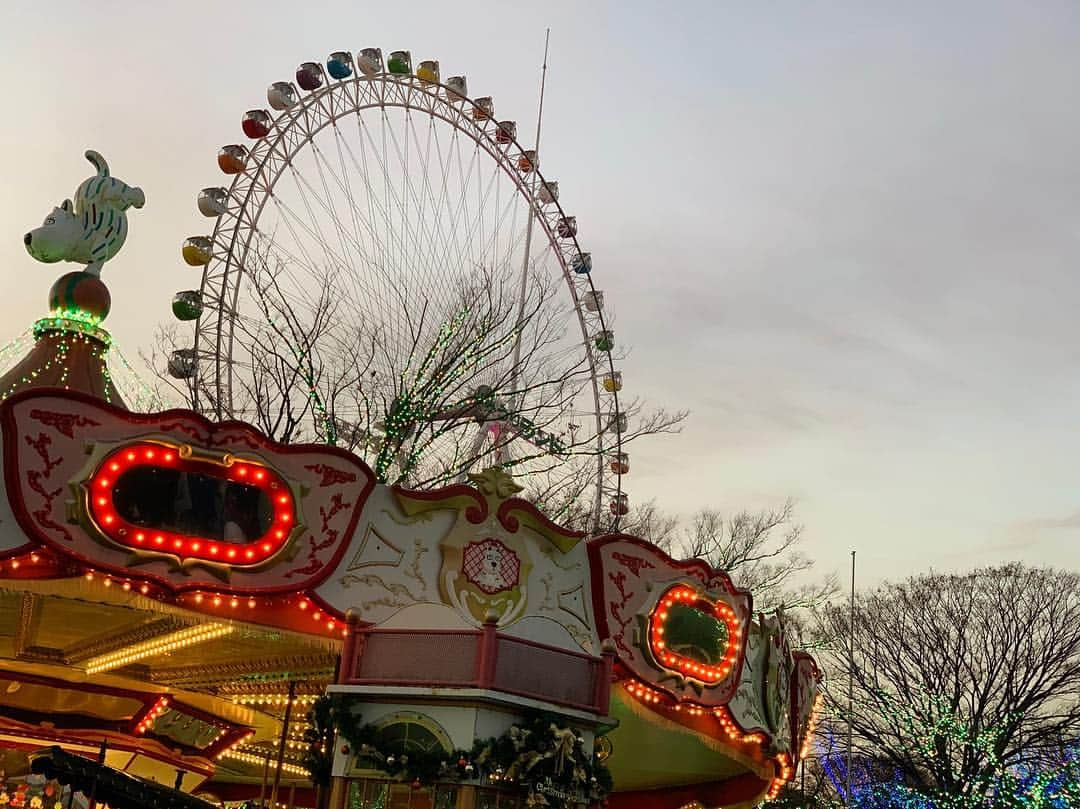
pixel 476 658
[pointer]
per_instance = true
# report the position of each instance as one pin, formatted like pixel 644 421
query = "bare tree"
pixel 958 678
pixel 473 375
pixel 759 550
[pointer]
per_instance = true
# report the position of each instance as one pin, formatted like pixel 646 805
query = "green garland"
pixel 537 751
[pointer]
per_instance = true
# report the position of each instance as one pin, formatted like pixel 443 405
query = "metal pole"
pixel 851 679
pixel 265 781
pixel 281 743
pixel 91 799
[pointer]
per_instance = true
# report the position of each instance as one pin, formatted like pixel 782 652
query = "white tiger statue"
pixel 92 230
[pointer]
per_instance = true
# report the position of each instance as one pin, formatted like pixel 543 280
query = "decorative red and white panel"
pixel 806 700
pixel 678 627
pixel 175 500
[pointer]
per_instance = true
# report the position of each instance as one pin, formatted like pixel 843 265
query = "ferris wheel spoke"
pixel 370 197
pixel 292 220
pixel 398 209
pixel 358 303
pixel 453 252
pixel 322 166
pixel 412 203
pixel 381 267
pixel 358 281
pixel 357 293
pixel 275 249
pixel 409 193
pixel 439 238
pixel 511 244
pixel 375 205
pixel 315 230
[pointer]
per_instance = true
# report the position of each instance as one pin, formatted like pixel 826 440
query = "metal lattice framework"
pixel 381 102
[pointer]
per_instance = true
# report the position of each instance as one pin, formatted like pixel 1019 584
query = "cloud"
pixel 1025 533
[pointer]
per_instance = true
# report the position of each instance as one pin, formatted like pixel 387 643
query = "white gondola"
pixel 370 62
pixel 457 88
pixel 549 192
pixel 182 363
pixel 281 95
pixel 213 201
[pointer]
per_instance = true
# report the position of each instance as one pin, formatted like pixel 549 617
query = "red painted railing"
pixel 476 658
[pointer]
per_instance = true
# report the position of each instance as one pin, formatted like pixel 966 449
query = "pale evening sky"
pixel 844 235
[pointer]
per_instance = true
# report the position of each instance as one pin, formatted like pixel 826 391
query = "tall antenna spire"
pixel 543 82
pixel 514 369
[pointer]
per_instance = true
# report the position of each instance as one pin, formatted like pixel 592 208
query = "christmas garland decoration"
pixel 537 754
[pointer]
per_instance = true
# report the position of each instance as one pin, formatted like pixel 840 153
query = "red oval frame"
pixel 673 661
pixel 107 520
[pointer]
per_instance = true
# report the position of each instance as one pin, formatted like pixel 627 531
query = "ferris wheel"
pixel 389 271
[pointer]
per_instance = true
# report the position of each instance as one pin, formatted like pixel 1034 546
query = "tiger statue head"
pixel 91 230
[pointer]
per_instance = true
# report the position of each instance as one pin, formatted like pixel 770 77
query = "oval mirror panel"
pixel 158 499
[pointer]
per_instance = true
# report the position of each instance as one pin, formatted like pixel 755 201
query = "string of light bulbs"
pixel 150 648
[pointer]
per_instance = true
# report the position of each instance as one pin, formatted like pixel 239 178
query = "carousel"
pixel 194 614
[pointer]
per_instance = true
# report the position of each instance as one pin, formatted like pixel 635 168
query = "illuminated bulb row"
pixel 148 720
pixel 125 585
pixel 722 714
pixel 149 648
pixel 19 561
pixel 811 726
pixel 700 671
pixel 270 699
pixel 734 733
pixel 235 745
pixel 693 710
pixel 248 758
pixel 293 744
pixel 787 770
pixel 218 600
pixel 317 615
pixel 642 692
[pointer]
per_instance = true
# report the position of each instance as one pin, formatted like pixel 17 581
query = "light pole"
pixel 851 680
